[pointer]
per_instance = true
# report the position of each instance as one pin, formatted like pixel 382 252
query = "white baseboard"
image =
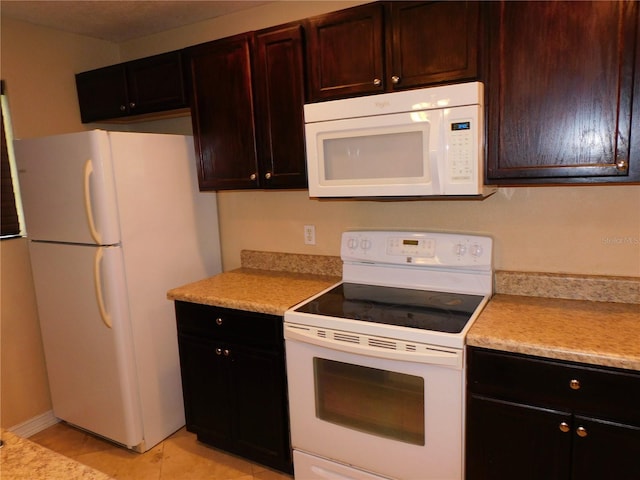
pixel 35 424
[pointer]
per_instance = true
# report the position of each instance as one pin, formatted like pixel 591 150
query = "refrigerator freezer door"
pixel 88 343
pixel 67 188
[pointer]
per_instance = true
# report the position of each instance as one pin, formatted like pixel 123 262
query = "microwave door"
pixel 384 155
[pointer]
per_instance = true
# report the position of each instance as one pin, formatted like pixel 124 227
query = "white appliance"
pixel 115 220
pixel 375 364
pixel 425 142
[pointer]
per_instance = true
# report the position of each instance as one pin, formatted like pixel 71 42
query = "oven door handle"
pixel 374 346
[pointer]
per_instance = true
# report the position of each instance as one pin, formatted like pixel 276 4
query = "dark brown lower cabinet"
pixel 537 419
pixel 508 440
pixel 234 382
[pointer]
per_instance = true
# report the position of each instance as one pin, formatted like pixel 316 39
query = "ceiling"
pixel 119 20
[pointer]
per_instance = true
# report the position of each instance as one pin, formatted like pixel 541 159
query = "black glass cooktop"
pixel 424 309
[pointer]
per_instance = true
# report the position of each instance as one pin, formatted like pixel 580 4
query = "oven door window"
pixel 380 402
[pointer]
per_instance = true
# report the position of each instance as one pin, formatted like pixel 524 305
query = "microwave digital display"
pixel 461 126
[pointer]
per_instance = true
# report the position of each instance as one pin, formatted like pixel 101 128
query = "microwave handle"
pixel 436 160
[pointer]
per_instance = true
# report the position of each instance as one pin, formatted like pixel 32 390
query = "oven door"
pixel 377 414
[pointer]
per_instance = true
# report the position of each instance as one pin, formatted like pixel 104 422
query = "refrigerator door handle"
pixel 97 283
pixel 88 171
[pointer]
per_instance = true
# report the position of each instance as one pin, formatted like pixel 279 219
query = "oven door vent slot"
pixel 380 343
pixel 411 348
pixel 321 333
pixel 345 337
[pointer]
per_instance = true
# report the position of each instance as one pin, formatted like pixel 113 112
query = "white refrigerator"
pixel 115 220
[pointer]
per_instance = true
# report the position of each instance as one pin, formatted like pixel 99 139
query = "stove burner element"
pixel 422 309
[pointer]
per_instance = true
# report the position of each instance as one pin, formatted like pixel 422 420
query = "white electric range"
pixel 375 363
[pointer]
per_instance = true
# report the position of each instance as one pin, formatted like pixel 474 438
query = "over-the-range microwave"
pixel 424 142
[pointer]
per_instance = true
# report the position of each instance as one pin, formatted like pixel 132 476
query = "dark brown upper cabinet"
pixel 560 92
pixel 388 46
pixel 247 110
pixel 139 87
pixel 222 113
pixel 279 114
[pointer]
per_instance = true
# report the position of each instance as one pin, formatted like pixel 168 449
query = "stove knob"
pixel 352 243
pixel 365 244
pixel 475 250
pixel 459 249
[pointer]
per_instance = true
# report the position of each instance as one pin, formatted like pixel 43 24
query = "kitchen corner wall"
pixel 589 229
pixel 38 66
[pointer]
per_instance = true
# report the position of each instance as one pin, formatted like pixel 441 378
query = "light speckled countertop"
pixel 599 333
pixel 21 459
pixel 589 319
pixel 264 291
pixel 267 282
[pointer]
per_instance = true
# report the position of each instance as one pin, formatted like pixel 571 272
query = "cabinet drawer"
pixel 589 390
pixel 224 324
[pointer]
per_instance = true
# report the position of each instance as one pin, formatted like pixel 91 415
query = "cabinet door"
pixel 260 421
pixel 560 81
pixel 206 389
pixel 102 93
pixel 605 450
pixel 508 440
pixel 279 86
pixel 345 53
pixel 222 113
pixel 156 83
pixel 432 42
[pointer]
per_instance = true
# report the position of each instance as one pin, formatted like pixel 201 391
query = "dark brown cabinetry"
pixel 389 46
pixel 234 381
pixel 149 85
pixel 560 89
pixel 247 101
pixel 533 418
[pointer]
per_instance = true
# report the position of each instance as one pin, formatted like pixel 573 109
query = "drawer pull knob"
pixel 218 351
pixel 218 321
pixel 226 352
pixel 574 384
pixel 564 427
pixel 581 431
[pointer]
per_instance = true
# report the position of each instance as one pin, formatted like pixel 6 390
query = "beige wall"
pixel 38 67
pixel 594 229
pixel 24 387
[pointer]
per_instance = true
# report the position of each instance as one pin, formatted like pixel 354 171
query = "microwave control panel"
pixel 461 145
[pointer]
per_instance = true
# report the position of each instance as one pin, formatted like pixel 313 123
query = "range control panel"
pixel 445 250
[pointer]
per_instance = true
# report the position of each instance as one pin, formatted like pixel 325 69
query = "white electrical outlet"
pixel 309 234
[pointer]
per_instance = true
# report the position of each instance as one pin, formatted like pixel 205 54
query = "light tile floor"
pixel 179 457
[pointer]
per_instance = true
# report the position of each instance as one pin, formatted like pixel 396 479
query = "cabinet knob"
pixel 395 79
pixel 226 352
pixel 122 108
pixel 377 82
pixel 581 431
pixel 564 427
pixel 218 351
pixel 267 175
pixel 621 165
pixel 574 384
pixel 132 105
pixel 253 176
pixel 218 321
